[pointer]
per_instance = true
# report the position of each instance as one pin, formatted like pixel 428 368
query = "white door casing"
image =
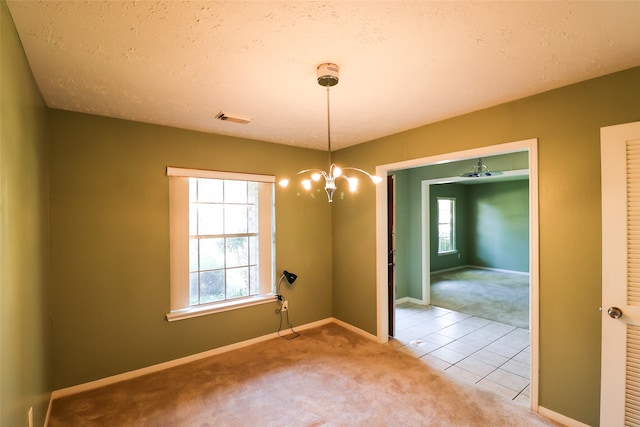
pixel 620 373
pixel 530 145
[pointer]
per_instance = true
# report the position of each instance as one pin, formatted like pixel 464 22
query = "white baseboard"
pixel 500 270
pixel 562 419
pixel 56 394
pixel 444 270
pixel 480 268
pixel 355 329
pixel 184 360
pixel 46 418
pixel 411 300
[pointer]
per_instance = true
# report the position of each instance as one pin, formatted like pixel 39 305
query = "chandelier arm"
pixel 361 171
pixel 310 170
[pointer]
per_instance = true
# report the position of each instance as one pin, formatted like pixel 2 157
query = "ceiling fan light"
pixel 479 170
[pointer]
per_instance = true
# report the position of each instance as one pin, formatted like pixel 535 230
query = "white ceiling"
pixel 403 64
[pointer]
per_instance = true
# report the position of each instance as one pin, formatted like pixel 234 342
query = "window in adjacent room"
pixel 446 225
pixel 222 241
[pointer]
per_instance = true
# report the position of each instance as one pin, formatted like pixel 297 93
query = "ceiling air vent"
pixel 232 118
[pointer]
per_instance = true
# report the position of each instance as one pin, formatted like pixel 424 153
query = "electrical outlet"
pixel 285 306
pixel 31 416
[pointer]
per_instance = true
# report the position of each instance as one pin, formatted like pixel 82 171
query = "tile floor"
pixel 488 354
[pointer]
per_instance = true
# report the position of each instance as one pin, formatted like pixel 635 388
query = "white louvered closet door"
pixel 620 392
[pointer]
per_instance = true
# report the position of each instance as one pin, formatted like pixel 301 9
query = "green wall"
pixel 408 189
pixel 498 231
pixel 108 286
pixel 404 274
pixel 110 244
pixel 567 123
pixel 25 327
pixel 492 228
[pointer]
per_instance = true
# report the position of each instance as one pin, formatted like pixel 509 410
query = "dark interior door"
pixel 391 289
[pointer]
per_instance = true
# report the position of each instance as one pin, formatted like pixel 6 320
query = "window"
pixel 446 225
pixel 222 241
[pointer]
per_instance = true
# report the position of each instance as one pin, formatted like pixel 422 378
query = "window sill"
pixel 187 313
pixel 447 253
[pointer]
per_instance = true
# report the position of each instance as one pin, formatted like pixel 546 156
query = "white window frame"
pixel 454 248
pixel 180 307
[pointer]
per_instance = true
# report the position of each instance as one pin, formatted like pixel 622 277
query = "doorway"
pixel 486 216
pixel 385 305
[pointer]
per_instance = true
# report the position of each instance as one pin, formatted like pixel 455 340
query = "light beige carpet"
pixel 329 376
pixel 495 295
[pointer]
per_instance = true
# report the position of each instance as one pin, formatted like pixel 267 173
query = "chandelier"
pixel 327 77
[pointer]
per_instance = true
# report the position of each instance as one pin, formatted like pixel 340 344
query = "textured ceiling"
pixel 403 64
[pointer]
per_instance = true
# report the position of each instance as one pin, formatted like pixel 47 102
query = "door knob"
pixel 614 312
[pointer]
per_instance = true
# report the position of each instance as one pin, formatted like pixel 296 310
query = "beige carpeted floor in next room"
pixel 329 376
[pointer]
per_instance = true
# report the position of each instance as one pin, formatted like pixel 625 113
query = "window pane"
pixel 193 219
pixel 446 225
pixel 252 192
pixel 194 289
pixel 252 219
pixel 194 256
pixel 237 282
pixel 210 190
pixel 235 219
pixel 237 251
pixel 210 220
pixel 235 191
pixel 253 250
pixel 211 254
pixel 254 280
pixel 444 231
pixel 444 210
pixel 211 286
